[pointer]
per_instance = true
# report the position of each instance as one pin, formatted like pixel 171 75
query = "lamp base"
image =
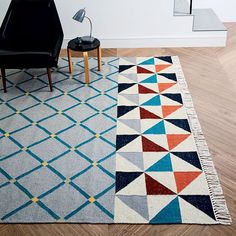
pixel 87 39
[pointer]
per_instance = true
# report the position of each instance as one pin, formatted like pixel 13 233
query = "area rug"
pixel 127 148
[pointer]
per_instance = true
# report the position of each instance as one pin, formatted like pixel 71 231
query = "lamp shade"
pixel 79 16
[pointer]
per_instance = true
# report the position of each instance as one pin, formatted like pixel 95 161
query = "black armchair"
pixel 30 37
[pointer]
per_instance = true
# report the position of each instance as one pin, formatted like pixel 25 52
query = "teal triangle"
pixel 148 62
pixel 169 214
pixel 152 79
pixel 164 164
pixel 157 129
pixel 155 101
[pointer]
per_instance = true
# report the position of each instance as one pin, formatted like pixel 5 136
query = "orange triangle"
pixel 161 67
pixel 164 86
pixel 183 179
pixel 167 110
pixel 175 139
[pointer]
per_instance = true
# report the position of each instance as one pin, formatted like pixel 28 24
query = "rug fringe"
pixel 216 193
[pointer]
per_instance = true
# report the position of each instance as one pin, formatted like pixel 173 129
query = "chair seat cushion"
pixel 25 59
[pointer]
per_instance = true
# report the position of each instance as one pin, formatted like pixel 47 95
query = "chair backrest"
pixel 31 25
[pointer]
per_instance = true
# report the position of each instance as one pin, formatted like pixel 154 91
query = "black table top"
pixel 83 47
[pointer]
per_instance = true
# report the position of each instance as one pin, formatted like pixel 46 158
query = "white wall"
pixel 119 19
pixel 133 23
pixel 225 9
pixel 3 8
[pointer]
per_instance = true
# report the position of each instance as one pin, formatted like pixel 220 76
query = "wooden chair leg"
pixel 4 80
pixel 50 79
pixel 99 56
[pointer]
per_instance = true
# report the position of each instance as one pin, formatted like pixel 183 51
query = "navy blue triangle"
pixel 170 76
pixel 124 109
pixel 169 214
pixel 201 202
pixel 122 140
pixel 190 157
pixel 124 178
pixel 174 96
pixel 124 67
pixel 123 87
pixel 166 58
pixel 181 123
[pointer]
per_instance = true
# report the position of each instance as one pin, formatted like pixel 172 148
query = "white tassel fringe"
pixel 216 193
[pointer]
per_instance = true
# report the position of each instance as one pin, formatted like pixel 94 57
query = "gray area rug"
pixel 52 165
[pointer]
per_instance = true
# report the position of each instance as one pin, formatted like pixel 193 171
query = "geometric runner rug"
pixel 126 148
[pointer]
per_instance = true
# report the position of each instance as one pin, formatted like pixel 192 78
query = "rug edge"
pixel 216 192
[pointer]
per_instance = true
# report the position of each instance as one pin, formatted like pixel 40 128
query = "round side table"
pixel 76 45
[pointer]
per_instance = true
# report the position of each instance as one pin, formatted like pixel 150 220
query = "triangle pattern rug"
pixel 127 148
pixel 160 177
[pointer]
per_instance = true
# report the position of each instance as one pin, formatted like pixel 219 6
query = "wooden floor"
pixel 211 76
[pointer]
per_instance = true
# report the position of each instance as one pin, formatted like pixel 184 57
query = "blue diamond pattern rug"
pixel 127 148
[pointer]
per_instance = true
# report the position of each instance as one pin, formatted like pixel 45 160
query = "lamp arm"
pixel 91 25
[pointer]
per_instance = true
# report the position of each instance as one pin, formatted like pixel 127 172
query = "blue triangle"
pixel 152 79
pixel 148 62
pixel 169 214
pixel 163 164
pixel 155 101
pixel 157 129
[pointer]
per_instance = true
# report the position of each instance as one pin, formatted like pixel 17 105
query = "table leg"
pixel 70 60
pixel 99 55
pixel 86 67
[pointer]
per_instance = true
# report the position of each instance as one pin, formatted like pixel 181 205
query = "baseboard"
pixel 215 40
